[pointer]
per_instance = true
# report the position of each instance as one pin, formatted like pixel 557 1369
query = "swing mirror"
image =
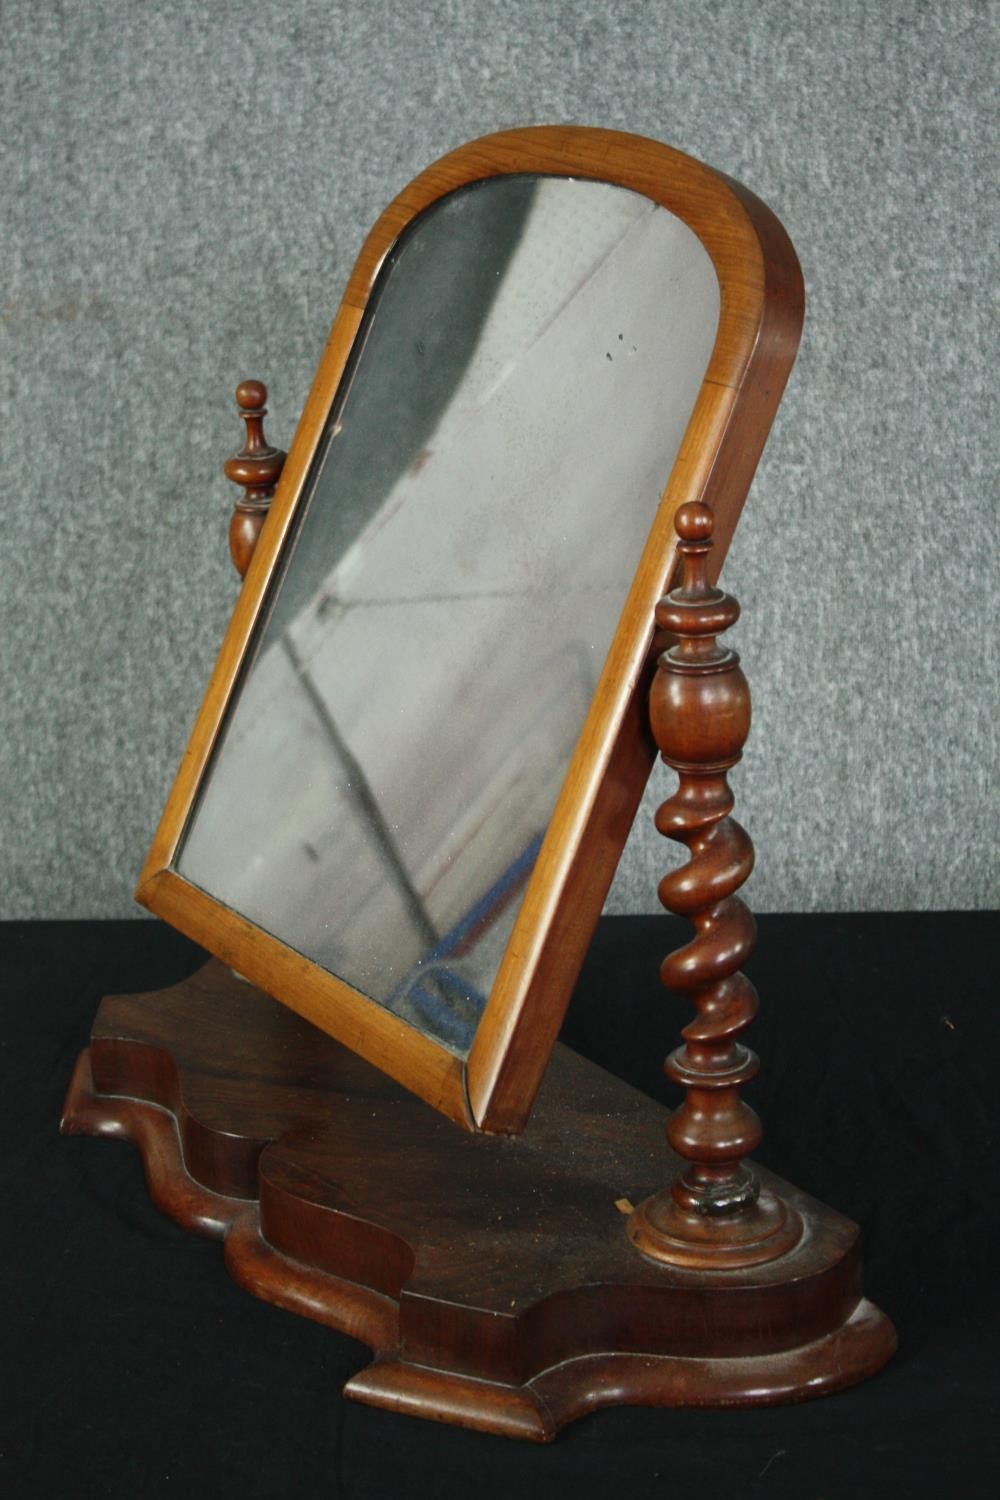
pixel 424 741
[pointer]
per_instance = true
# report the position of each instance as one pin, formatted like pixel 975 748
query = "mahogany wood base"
pixel 492 1275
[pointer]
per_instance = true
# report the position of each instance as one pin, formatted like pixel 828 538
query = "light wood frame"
pixel 758 332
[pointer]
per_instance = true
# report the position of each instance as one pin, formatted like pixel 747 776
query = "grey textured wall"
pixel 184 189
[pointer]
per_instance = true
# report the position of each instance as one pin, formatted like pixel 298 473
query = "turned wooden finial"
pixel 256 467
pixel 714 1214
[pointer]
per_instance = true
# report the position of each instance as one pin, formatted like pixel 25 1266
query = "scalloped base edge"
pixel 535 1410
pixel 540 1408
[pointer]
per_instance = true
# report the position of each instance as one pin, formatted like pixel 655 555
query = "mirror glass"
pixel 434 632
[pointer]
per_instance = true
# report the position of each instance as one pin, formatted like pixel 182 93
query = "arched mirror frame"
pixel 759 325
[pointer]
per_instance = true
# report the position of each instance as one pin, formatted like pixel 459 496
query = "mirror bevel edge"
pixel 760 320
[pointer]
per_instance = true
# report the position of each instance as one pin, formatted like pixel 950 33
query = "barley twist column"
pixel 714 1214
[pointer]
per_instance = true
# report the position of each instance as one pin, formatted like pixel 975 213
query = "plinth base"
pixel 492 1276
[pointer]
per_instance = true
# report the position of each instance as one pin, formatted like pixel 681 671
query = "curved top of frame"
pixel 753 256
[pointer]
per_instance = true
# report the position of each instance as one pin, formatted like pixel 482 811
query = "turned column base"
pixel 665 1232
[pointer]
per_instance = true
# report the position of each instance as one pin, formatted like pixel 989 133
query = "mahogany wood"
pixel 489 1274
pixel 257 467
pixel 760 321
pixel 715 1212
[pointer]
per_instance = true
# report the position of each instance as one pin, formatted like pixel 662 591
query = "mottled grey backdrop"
pixel 185 186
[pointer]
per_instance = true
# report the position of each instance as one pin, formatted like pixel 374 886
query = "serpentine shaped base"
pixel 489 1275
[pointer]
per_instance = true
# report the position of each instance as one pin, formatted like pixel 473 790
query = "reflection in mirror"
pixel 433 636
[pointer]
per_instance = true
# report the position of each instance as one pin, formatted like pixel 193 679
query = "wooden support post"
pixel 714 1214
pixel 257 467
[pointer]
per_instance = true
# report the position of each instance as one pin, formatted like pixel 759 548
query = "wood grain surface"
pixel 491 1275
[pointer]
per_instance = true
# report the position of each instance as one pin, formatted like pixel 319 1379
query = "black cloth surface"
pixel 132 1365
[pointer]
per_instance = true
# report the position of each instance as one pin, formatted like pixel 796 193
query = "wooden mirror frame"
pixel 759 324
